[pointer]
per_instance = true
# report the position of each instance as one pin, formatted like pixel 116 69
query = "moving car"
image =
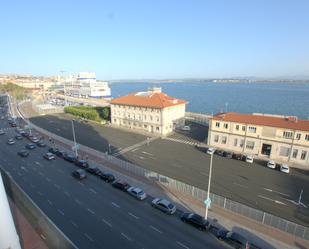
pixel 107 177
pixel 49 156
pixel 285 168
pixel 211 151
pixel 30 146
pixel 249 159
pixel 164 205
pixel 121 185
pixel 79 174
pixel 23 153
pixel 11 141
pixel 34 139
pixel 82 163
pixel 2 132
pixel 195 220
pixel 18 137
pixel 271 164
pixel 137 193
pixel 235 239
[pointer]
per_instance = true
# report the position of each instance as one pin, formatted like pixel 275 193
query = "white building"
pixel 151 111
pixel 85 85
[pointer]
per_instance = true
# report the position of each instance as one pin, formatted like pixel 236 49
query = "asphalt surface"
pixel 177 156
pixel 92 213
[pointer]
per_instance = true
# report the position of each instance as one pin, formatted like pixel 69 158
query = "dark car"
pixel 30 146
pixel 227 154
pixel 25 134
pixel 93 170
pixel 70 158
pixel 195 220
pixel 238 241
pixel 221 233
pixel 107 177
pixel 61 153
pixel 79 174
pixel 23 153
pixel 237 156
pixel 13 124
pixel 18 137
pixel 219 152
pixel 121 185
pixel 53 150
pixel 82 164
pixel 41 144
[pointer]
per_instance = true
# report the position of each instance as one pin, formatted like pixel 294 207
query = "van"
pixel 238 241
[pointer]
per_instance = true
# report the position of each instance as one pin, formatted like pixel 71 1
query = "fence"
pixel 198 117
pixel 199 194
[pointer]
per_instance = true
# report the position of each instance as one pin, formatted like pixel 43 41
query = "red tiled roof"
pixel 292 123
pixel 153 100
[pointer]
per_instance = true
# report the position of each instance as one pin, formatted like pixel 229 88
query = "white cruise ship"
pixel 85 85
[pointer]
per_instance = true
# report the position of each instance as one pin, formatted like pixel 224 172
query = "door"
pixel 266 149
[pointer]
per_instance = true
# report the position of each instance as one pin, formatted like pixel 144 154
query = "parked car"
pixel 186 128
pixel 23 153
pixel 13 124
pixel 271 164
pixel 82 163
pixel 11 141
pixel 237 156
pixel 211 151
pixel 221 233
pixel 219 152
pixel 18 137
pixel 60 153
pixel 30 146
pixel 53 150
pixel 41 144
pixel 249 159
pixel 195 220
pixel 227 154
pixel 107 177
pixel 70 158
pixel 25 134
pixel 137 193
pixel 121 185
pixel 49 156
pixel 79 174
pixel 34 139
pixel 93 170
pixel 237 240
pixel 164 205
pixel 2 132
pixel 285 168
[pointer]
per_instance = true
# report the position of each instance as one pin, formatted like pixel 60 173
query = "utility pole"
pixel 208 201
pixel 75 145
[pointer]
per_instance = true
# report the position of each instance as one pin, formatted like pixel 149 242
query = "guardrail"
pixel 198 117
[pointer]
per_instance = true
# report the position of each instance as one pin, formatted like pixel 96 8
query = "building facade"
pixel 281 138
pixel 151 111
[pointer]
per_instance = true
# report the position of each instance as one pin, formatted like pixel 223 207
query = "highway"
pixel 177 157
pixel 92 213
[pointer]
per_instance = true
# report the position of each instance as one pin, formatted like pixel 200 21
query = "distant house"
pixel 275 137
pixel 151 111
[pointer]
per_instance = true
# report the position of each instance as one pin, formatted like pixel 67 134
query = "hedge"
pixel 89 112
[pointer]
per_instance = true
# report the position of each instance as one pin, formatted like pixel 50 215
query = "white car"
pixel 137 193
pixel 249 159
pixel 164 205
pixel 271 164
pixel 11 141
pixel 285 168
pixel 210 151
pixel 186 128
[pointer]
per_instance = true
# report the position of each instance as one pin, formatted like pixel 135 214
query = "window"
pixel 223 141
pixel 250 145
pixel 252 129
pixel 150 118
pixel 287 134
pixel 241 144
pixel 307 137
pixel 303 155
pixel 235 142
pixel 284 151
pixel 295 152
pixel 145 126
pixel 243 128
pixel 216 139
pixel 218 124
pixel 157 128
pixel 158 119
pixel 237 127
pixel 226 126
pixel 298 136
pixel 145 117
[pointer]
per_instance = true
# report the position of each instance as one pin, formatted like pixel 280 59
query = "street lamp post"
pixel 75 145
pixel 207 202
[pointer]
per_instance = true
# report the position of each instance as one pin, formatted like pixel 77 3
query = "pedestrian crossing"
pixel 184 141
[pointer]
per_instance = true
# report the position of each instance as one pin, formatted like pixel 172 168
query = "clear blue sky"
pixel 156 39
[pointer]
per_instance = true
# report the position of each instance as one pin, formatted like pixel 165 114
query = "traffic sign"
pixel 77 147
pixel 207 202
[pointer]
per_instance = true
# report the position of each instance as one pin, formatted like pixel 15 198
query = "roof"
pixel 287 122
pixel 148 99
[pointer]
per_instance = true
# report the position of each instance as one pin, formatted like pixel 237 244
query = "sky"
pixel 154 39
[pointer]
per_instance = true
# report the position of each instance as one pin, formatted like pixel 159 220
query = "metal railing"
pixel 198 117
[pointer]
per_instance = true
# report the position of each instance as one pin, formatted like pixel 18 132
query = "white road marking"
pixel 239 185
pixel 93 191
pixel 66 193
pixel 74 224
pixel 281 203
pixel 270 190
pixel 88 237
pixel 126 236
pixel 81 183
pixel 41 174
pixel 47 179
pixel 57 186
pixel 23 168
pixel 154 228
pixel 107 223
pixel 18 173
pixel 90 211
pixel 134 216
pixel 37 163
pixel 59 211
pixel 140 157
pixel 115 204
pixel 135 150
pixel 184 246
pixel 147 153
pixel 49 202
pixel 77 201
pixel 43 237
pixel 269 199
